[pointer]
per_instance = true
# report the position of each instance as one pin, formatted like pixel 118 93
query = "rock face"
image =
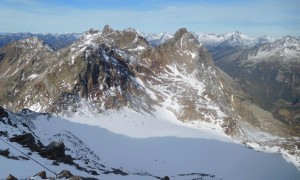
pixel 188 83
pixel 11 177
pixel 65 174
pixel 41 174
pixel 101 73
pixel 3 113
pixel 269 73
pixel 27 140
pixel 22 62
pixel 56 151
pixel 4 153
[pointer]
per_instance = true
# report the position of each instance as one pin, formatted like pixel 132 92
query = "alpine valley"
pixel 110 104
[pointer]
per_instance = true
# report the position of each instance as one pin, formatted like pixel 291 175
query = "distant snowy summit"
pixel 155 39
pixel 54 40
pixel 234 39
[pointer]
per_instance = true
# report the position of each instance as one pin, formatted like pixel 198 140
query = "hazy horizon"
pixel 253 18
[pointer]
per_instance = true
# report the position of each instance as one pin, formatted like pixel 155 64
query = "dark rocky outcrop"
pixel 117 172
pixel 56 151
pixel 41 174
pixel 27 140
pixel 3 113
pixel 3 133
pixel 55 163
pixel 11 177
pixel 4 153
pixel 166 178
pixel 81 178
pixel 65 174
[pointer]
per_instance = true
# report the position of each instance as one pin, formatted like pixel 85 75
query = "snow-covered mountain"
pixel 268 72
pixel 235 39
pixel 264 40
pixel 285 50
pixel 114 76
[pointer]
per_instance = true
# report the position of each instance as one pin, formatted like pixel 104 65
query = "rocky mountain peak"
pixel 182 49
pixel 92 31
pixel 22 55
pixel 31 43
pixel 131 30
pixel 289 41
pixel 184 40
pixel 32 40
pixel 180 32
pixel 236 39
pixel 237 32
pixel 237 35
pixel 107 29
pixel 128 39
pixel 264 40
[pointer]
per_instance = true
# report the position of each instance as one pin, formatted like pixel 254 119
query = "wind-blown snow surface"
pixel 157 144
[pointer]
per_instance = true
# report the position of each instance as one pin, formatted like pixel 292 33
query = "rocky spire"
pixel 180 32
pixel 93 31
pixel 107 29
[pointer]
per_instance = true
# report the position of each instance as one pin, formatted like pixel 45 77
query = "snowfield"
pixel 156 144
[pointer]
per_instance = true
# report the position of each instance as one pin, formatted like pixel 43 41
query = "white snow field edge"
pixel 157 144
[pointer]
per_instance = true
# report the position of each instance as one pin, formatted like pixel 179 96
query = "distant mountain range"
pixel 60 40
pixel 55 41
pixel 235 39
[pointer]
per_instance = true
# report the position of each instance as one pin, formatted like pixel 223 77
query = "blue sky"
pixel 255 17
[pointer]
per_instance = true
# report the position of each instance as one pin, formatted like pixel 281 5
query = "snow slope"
pixel 154 144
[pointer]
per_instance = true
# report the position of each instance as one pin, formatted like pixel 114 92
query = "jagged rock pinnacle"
pixel 93 31
pixel 180 32
pixel 107 29
pixel 132 30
